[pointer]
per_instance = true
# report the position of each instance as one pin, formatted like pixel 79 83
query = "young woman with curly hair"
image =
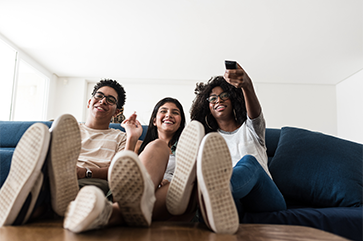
pixel 234 151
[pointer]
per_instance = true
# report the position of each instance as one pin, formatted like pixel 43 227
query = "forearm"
pixel 131 143
pixel 252 103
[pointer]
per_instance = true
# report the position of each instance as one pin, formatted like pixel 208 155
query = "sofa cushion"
pixel 343 221
pixel 317 169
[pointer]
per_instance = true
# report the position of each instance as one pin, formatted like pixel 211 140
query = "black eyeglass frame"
pixel 226 97
pixel 108 98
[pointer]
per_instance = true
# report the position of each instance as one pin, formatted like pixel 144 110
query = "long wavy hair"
pixel 200 107
pixel 152 130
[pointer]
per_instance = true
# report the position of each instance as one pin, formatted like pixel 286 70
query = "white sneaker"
pixel 181 186
pixel 214 171
pixel 62 159
pixel 132 188
pixel 22 186
pixel 34 193
pixel 90 210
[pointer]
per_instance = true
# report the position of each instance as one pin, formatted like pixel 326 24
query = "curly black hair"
pixel 200 106
pixel 152 130
pixel 116 86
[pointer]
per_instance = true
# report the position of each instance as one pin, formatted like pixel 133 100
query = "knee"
pixel 159 146
pixel 248 160
pixel 249 157
pixel 246 166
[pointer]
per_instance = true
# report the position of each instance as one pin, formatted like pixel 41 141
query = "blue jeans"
pixel 253 190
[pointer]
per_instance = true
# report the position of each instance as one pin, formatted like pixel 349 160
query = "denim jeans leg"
pixel 253 190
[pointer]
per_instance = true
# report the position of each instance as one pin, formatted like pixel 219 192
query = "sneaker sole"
pixel 80 214
pixel 35 193
pixel 62 160
pixel 182 184
pixel 214 170
pixel 27 161
pixel 127 184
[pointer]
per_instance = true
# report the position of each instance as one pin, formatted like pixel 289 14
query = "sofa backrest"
pixel 119 127
pixel 12 131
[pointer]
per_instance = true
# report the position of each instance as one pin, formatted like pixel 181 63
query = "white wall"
pixel 335 110
pixel 69 97
pixel 307 106
pixel 72 95
pixel 350 108
pixel 142 95
pixel 310 107
pixel 52 98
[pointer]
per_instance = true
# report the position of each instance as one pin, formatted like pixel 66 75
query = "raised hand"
pixel 237 77
pixel 132 127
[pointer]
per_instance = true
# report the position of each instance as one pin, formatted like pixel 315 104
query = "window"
pixel 29 103
pixel 24 88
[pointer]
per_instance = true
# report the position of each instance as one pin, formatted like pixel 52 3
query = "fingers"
pixel 137 123
pixel 132 117
pixel 234 73
pixel 236 77
pixel 131 121
pixel 123 124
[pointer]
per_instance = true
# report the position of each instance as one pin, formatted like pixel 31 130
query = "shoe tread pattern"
pixel 217 171
pixel 184 176
pixel 26 163
pixel 65 149
pixel 79 210
pixel 127 188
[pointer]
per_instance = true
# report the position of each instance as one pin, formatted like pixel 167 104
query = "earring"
pixel 235 116
pixel 206 121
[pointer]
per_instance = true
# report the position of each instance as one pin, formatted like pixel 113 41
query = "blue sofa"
pixel 319 175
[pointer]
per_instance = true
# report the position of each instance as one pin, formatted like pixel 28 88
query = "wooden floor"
pixel 160 231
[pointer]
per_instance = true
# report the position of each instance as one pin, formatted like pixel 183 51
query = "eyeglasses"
pixel 223 96
pixel 109 99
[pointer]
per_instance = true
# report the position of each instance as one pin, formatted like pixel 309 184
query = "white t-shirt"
pixel 249 139
pixel 169 172
pixel 99 146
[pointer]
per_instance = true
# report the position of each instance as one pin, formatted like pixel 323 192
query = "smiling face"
pixel 168 118
pixel 100 109
pixel 221 109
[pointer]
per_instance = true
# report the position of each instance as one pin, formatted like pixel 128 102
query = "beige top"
pixel 99 146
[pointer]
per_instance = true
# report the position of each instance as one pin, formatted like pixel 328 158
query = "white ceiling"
pixel 277 41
